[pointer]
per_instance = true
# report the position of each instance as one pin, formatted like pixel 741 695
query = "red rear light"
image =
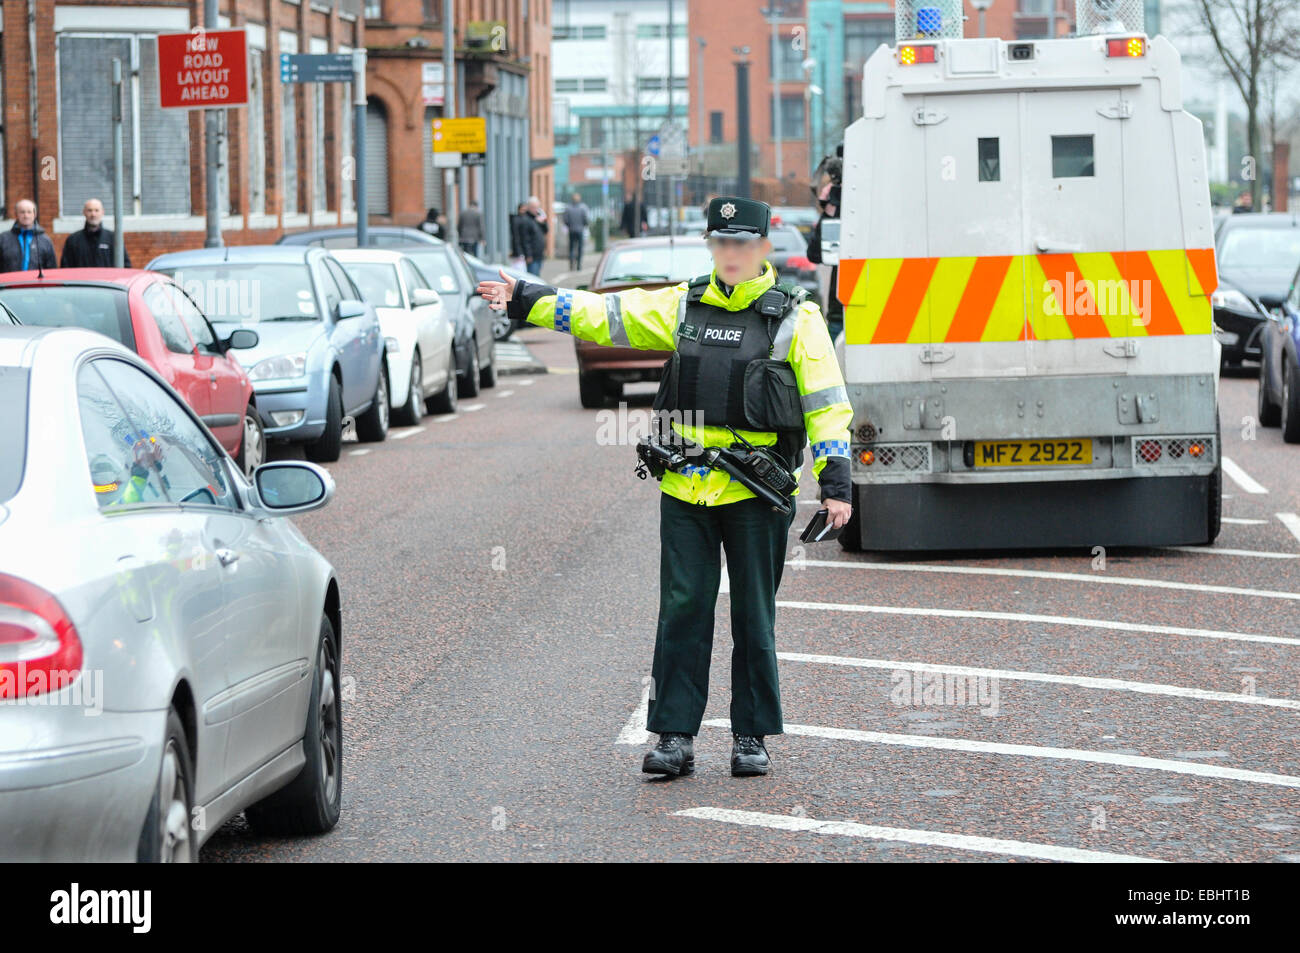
pixel 912 53
pixel 40 650
pixel 1149 451
pixel 1127 46
pixel 800 262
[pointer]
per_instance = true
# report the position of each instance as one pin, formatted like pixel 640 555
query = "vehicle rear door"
pixel 229 388
pixel 189 373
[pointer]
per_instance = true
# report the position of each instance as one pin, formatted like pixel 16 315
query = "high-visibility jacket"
pixel 648 319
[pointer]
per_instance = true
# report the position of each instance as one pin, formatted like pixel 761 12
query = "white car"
pixel 170 643
pixel 416 330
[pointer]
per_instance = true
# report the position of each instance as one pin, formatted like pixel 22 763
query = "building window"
pixel 289 143
pixel 862 37
pixel 256 116
pixel 792 118
pixel 715 126
pixel 373 10
pixel 569 85
pixel 595 84
pixel 320 194
pixel 593 32
pixel 649 84
pixel 786 60
pixel 155 141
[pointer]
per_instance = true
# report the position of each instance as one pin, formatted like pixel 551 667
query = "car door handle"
pixel 227 557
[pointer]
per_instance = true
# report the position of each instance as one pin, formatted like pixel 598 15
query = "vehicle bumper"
pixel 399 376
pixel 76 786
pixel 1239 334
pixel 281 397
pixel 623 364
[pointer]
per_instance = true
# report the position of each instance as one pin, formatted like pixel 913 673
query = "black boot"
pixel 748 756
pixel 674 755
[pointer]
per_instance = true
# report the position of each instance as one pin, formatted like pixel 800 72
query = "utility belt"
pixel 759 469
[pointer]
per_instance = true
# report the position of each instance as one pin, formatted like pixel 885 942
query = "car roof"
pixel 20 344
pixel 246 254
pixel 123 277
pixel 1260 220
pixel 654 240
pixel 318 234
pixel 383 255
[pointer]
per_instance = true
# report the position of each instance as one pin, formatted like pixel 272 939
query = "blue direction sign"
pixel 652 146
pixel 316 68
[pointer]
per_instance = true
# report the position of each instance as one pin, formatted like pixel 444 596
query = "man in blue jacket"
pixel 26 247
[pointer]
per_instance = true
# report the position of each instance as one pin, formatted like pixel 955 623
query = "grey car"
pixel 320 357
pixel 169 642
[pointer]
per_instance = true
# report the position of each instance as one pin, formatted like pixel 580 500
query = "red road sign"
pixel 203 69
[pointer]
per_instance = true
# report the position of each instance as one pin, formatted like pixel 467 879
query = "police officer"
pixel 718 325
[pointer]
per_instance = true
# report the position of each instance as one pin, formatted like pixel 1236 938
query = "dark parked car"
pixel 1257 255
pixel 450 275
pixel 1279 367
pixel 790 259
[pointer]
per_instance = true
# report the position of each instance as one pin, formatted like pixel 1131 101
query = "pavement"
pixel 499 573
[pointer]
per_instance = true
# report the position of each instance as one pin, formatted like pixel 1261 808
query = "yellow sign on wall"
pixel 460 135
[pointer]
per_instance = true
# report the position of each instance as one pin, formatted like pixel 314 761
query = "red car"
pixel 150 314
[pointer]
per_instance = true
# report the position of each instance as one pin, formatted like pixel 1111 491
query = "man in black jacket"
pixel 92 247
pixel 26 247
pixel 827 192
pixel 532 235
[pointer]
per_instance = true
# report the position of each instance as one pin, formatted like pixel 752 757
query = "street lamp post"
pixel 981 6
pixel 742 122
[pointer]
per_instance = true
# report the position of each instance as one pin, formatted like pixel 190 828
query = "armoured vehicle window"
pixel 1071 156
pixel 990 161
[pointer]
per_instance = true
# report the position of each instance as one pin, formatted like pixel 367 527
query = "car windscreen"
pixel 436 266
pixel 788 240
pixel 377 281
pixel 13 429
pixel 249 292
pixel 657 263
pixel 92 307
pixel 1257 248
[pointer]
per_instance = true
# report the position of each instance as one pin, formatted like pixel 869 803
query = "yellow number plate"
pixel 1032 453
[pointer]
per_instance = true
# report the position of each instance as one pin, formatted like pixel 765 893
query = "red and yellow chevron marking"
pixel 1018 297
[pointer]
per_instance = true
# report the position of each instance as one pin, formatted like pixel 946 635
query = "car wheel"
pixel 167 836
pixel 410 414
pixel 447 399
pixel 252 446
pixel 488 375
pixel 1269 413
pixel 372 426
pixel 591 390
pixel 1290 404
pixel 312 801
pixel 327 447
pixel 851 536
pixel 502 325
pixel 469 384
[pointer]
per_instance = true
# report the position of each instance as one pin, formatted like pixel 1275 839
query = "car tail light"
pixel 1127 46
pixel 800 262
pixel 40 650
pixel 1149 451
pixel 916 53
pixel 866 457
pixel 1196 449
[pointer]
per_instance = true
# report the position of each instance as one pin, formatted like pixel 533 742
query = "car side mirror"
pixel 351 309
pixel 242 338
pixel 286 487
pixel 424 296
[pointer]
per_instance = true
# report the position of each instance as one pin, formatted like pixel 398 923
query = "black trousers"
pixel 575 249
pixel 691 536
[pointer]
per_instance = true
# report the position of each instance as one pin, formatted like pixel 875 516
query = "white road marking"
pixel 1196 768
pixel 985 845
pixel 408 432
pixel 1241 477
pixel 526 382
pixel 504 393
pixel 359 453
pixel 1046 574
pixel 1230 519
pixel 1214 551
pixel 1291 522
pixel 444 418
pixel 472 407
pixel 634 732
pixel 810 502
pixel 1046 619
pixel 1081 681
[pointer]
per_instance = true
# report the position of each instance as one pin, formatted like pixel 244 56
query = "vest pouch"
pixel 772 396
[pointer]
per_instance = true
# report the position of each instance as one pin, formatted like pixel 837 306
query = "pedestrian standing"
pixel 576 217
pixel 26 247
pixel 532 235
pixel 435 224
pixel 92 246
pixel 471 228
pixel 723 328
pixel 516 242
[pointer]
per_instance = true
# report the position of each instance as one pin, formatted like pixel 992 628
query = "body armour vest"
pixel 723 372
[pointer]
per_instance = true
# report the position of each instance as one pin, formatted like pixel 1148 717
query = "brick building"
pixel 283 155
pixel 503 51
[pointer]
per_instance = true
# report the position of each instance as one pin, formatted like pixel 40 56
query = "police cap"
pixel 730 217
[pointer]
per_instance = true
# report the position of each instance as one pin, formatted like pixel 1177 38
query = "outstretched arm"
pixel 632 318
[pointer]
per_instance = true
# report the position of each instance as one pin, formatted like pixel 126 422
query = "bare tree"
pixel 1253 38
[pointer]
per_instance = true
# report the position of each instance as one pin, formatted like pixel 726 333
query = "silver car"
pixel 169 642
